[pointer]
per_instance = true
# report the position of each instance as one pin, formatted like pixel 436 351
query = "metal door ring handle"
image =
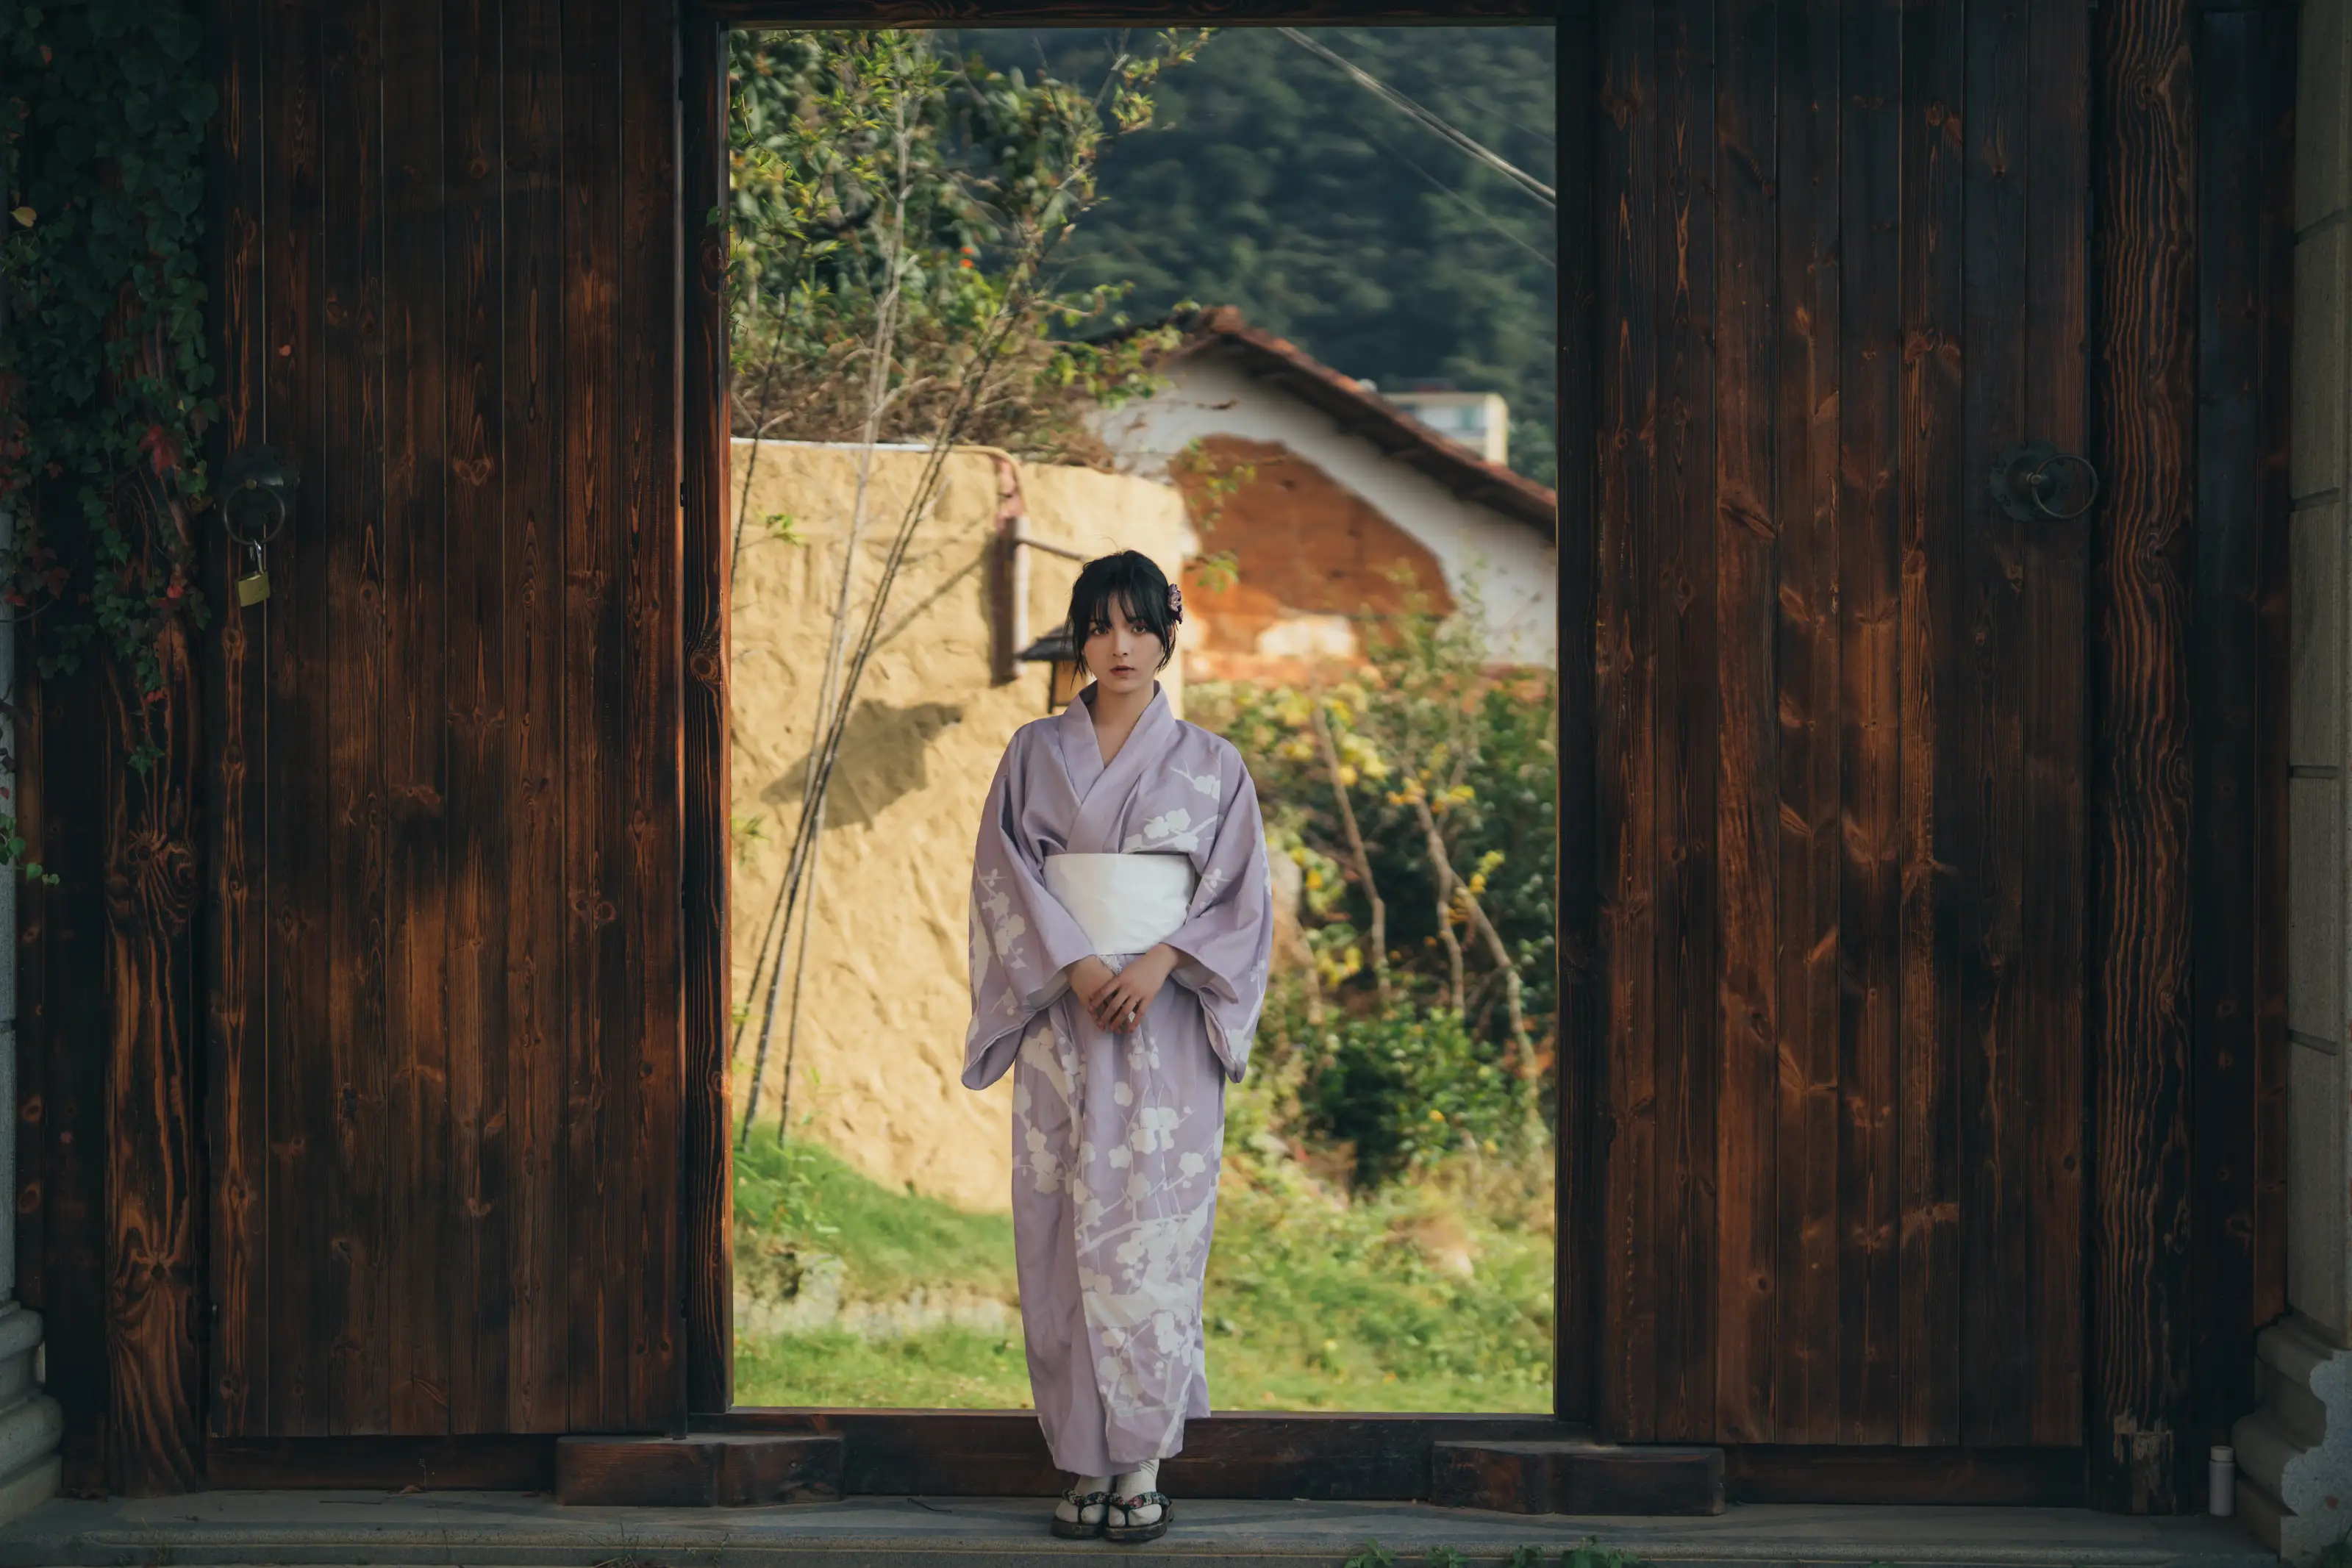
pixel 2042 484
pixel 2029 478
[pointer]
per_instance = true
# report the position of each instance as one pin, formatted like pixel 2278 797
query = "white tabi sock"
pixel 1144 1478
pixel 1082 1486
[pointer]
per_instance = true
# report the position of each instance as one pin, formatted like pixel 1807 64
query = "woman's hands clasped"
pixel 1117 1002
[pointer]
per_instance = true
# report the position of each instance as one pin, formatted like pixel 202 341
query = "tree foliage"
pixel 869 167
pixel 1272 182
pixel 104 385
pixel 1427 728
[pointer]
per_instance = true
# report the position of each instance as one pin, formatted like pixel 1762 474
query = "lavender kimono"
pixel 1116 1137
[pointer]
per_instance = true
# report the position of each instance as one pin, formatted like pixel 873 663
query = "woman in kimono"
pixel 1121 924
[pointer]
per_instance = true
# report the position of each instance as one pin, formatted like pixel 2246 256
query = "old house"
pixel 1325 503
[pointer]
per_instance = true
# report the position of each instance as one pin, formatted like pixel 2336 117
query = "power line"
pixel 1413 112
pixel 1491 220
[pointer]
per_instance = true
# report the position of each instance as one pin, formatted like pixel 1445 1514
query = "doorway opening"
pixel 1277 308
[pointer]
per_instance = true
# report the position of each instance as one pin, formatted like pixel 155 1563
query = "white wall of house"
pixel 1502 566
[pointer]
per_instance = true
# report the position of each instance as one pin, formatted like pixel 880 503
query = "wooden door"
pixel 1840 264
pixel 444 1043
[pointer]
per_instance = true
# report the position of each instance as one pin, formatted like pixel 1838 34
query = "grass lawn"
pixel 1429 1296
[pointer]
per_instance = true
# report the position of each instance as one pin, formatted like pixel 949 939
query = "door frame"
pixel 1289 1452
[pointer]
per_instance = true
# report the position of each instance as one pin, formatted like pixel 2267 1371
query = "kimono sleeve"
pixel 1225 945
pixel 1022 942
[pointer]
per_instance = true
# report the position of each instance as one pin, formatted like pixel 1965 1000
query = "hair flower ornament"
pixel 1175 602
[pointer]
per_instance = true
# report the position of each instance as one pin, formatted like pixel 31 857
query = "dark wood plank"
pixel 734 1469
pixel 1869 596
pixel 293 72
pixel 531 358
pixel 1627 874
pixel 599 1022
pixel 1924 193
pixel 2001 1307
pixel 350 1115
pixel 1688 715
pixel 236 915
pixel 495 1463
pixel 2144 393
pixel 1580 1478
pixel 2046 674
pixel 1986 1478
pixel 482 1393
pixel 417 1276
pixel 1744 539
pixel 2240 511
pixel 649 1064
pixel 707 1171
pixel 1809 820
pixel 154 1176
pixel 1001 1453
pixel 1576 1257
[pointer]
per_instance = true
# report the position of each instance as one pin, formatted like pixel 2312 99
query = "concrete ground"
pixel 505 1529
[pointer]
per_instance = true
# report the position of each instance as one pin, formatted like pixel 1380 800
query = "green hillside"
pixel 1276 184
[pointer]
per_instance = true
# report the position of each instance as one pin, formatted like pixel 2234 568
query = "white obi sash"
pixel 1125 904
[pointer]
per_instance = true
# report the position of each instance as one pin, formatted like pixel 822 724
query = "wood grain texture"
pixel 1001 1453
pixel 1807 831
pixel 1745 543
pixel 1577 1254
pixel 480 1306
pixel 2001 1310
pixel 417 1273
pixel 295 804
pixel 1625 486
pixel 349 1099
pixel 1904 1476
pixel 707 1220
pixel 500 1463
pixel 236 916
pixel 1577 1478
pixel 532 363
pixel 1935 736
pixel 154 1165
pixel 649 1063
pixel 734 1469
pixel 1687 1046
pixel 1857 1357
pixel 2144 393
pixel 2052 610
pixel 596 956
pixel 444 910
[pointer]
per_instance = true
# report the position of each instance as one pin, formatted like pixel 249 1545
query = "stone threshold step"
pixel 506 1529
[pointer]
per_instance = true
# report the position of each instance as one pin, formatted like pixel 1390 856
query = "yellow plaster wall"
pixel 884 1008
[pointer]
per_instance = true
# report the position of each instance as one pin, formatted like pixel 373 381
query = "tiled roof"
pixel 1363 412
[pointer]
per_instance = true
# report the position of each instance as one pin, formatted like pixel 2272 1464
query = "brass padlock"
pixel 254 586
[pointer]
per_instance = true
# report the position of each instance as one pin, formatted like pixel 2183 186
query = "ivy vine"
pixel 104 379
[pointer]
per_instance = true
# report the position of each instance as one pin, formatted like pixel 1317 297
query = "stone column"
pixel 2294 1453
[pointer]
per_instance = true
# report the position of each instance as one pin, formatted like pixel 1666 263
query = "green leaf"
pixel 24 215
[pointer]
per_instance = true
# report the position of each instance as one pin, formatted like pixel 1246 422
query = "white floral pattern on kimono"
pixel 1115 1136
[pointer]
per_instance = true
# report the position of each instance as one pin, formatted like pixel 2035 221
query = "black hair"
pixel 1141 589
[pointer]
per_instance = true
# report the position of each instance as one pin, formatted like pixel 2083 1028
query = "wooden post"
pixel 154 1430
pixel 709 1178
pixel 2145 422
